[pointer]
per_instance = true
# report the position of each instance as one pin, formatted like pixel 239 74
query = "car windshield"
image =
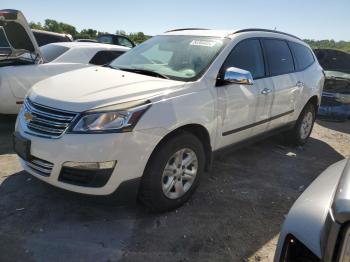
pixel 50 52
pixel 177 57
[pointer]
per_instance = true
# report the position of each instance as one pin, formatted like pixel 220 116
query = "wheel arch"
pixel 314 100
pixel 195 129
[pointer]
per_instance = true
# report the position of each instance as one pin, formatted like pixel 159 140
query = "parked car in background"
pixel 317 226
pixel 86 40
pixel 148 124
pixel 335 103
pixel 46 37
pixel 115 40
pixel 23 63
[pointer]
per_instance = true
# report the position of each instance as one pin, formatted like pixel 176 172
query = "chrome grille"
pixel 40 166
pixel 45 121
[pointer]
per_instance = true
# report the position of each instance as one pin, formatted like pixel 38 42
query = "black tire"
pixel 151 191
pixel 294 136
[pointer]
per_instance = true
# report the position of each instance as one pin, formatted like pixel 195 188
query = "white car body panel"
pixel 306 219
pixel 174 104
pixel 15 81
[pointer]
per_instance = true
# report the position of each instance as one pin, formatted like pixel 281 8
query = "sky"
pixel 311 19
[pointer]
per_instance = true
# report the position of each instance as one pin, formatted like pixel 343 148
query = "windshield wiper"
pixel 143 72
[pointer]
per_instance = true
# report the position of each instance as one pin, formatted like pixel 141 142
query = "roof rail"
pixel 265 30
pixel 184 29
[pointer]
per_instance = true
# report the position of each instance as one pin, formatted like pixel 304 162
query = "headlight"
pixel 118 118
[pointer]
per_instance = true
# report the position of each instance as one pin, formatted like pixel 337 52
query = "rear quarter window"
pixel 105 57
pixel 125 42
pixel 51 52
pixel 106 39
pixel 302 55
pixel 279 57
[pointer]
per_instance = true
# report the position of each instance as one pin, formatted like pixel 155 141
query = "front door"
pixel 244 107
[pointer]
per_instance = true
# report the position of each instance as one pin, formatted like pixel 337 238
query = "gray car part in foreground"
pixel 314 226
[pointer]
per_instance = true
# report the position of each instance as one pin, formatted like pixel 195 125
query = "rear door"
pixel 304 71
pixel 285 83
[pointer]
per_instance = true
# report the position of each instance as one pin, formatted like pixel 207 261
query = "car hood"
pixel 337 74
pixel 333 60
pixel 16 36
pixel 94 87
pixel 336 83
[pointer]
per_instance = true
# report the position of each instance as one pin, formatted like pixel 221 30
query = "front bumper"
pixel 131 151
pixel 331 109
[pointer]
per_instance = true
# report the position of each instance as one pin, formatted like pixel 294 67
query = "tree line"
pixel 329 44
pixel 60 27
pixel 139 37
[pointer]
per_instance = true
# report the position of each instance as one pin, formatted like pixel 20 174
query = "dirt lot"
pixel 235 215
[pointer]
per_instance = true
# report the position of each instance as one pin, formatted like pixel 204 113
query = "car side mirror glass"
pixel 238 76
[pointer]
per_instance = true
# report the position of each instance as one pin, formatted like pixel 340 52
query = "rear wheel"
pixel 173 173
pixel 303 127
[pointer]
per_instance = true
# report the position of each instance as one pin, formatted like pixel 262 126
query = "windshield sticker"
pixel 203 43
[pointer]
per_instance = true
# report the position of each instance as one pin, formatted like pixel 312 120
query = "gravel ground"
pixel 235 215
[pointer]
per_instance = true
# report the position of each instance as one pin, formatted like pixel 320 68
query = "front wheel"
pixel 173 173
pixel 303 127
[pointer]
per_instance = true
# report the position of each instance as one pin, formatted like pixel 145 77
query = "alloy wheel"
pixel 306 125
pixel 179 173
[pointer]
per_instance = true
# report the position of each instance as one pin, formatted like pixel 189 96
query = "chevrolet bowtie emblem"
pixel 28 117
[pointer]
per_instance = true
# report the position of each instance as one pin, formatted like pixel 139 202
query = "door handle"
pixel 300 84
pixel 266 91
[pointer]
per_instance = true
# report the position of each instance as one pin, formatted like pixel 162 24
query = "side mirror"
pixel 234 75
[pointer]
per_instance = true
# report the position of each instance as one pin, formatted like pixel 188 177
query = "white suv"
pixel 150 121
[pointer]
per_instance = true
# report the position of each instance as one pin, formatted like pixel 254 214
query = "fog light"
pixel 90 165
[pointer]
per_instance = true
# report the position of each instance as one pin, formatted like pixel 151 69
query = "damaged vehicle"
pixel 147 125
pixel 317 227
pixel 23 63
pixel 335 104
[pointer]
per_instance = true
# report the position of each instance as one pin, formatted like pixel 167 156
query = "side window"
pixel 247 55
pixel 106 39
pixel 124 42
pixel 105 57
pixel 51 51
pixel 5 48
pixel 3 39
pixel 279 57
pixel 303 56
